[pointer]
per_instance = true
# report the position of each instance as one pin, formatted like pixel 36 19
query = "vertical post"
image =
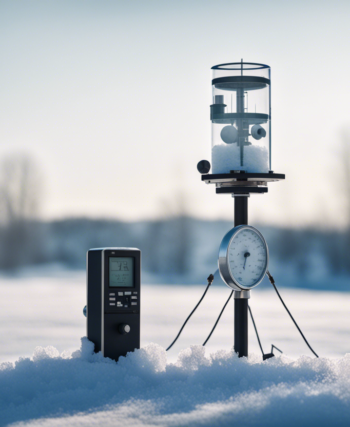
pixel 240 109
pixel 241 325
pixel 241 210
pixel 241 297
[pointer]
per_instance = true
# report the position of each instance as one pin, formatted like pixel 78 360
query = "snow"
pixel 187 386
pixel 142 389
pixel 48 310
pixel 226 157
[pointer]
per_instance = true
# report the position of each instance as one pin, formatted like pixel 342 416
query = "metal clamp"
pixel 242 294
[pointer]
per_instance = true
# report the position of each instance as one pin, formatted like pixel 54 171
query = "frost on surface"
pixel 200 389
pixel 227 157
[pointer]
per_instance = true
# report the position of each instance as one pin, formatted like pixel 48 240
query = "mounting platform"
pixel 240 182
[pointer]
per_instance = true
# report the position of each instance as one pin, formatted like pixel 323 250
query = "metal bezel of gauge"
pixel 223 262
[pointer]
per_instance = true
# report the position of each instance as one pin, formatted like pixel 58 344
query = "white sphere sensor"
pixel 229 134
pixel 258 132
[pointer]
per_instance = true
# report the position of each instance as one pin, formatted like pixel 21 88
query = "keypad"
pixel 123 299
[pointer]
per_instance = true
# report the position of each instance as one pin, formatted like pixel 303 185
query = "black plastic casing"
pixel 107 309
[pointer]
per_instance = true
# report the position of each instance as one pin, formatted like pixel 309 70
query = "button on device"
pixel 120 294
pixel 112 299
pixel 134 293
pixel 112 295
pixel 127 293
pixel 133 297
pixel 112 303
pixel 124 329
pixel 134 303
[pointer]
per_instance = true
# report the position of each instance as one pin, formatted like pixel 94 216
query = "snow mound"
pixel 84 389
pixel 227 157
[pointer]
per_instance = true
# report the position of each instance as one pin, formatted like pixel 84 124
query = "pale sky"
pixel 112 100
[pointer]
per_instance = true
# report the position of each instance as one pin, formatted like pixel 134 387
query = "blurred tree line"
pixel 20 197
pixel 177 245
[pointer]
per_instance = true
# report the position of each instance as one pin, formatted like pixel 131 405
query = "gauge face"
pixel 243 257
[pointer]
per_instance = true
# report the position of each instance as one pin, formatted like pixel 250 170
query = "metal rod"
pixel 240 109
pixel 241 302
pixel 241 211
pixel 241 327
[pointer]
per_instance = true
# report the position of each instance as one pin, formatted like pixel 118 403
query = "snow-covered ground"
pixel 185 387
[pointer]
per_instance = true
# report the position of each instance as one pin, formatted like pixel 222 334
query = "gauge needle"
pixel 246 255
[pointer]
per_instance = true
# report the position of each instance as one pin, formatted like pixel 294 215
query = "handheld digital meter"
pixel 113 300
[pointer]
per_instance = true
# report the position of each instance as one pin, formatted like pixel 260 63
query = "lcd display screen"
pixel 121 272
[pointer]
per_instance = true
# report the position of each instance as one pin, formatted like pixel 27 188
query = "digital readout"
pixel 121 272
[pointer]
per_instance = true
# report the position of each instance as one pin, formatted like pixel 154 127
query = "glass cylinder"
pixel 241 118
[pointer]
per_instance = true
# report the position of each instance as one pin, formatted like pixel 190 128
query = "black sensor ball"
pixel 203 166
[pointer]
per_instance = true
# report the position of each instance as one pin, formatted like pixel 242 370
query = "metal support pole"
pixel 241 324
pixel 241 210
pixel 241 297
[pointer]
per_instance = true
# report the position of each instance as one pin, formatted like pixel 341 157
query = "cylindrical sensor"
pixel 241 118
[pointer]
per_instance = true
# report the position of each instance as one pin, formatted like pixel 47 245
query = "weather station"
pixel 241 165
pixel 240 114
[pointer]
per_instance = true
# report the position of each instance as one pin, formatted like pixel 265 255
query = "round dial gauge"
pixel 243 258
